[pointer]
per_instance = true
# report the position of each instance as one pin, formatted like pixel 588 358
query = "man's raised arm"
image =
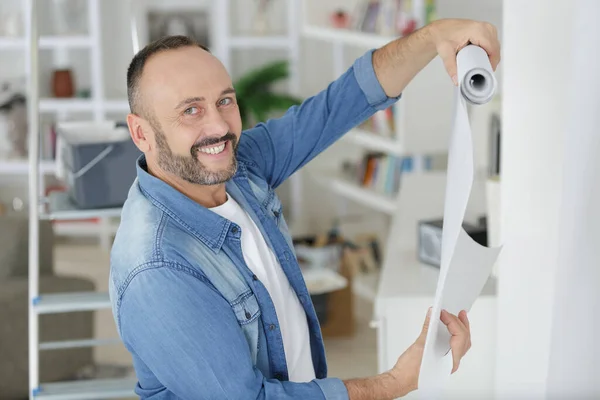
pixel 398 62
pixel 283 145
pixel 374 82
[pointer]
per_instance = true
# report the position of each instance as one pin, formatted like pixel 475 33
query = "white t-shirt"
pixel 264 264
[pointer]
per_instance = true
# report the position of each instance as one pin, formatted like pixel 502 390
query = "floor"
pixel 347 358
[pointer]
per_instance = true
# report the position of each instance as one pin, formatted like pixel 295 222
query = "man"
pixel 206 291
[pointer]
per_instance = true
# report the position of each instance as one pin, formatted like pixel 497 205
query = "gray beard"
pixel 189 168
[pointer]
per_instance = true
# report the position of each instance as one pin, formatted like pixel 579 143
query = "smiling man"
pixel 207 293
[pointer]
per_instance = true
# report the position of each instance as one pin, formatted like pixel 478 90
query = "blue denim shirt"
pixel 196 320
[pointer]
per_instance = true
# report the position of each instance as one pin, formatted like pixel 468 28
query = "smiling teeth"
pixel 213 150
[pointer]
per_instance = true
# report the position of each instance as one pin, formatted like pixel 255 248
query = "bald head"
pixel 139 61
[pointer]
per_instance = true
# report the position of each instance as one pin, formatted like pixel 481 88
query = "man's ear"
pixel 139 132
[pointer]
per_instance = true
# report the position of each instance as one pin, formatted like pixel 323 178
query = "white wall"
pixel 536 73
pixel 574 353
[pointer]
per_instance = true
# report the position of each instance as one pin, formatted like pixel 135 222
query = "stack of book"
pixel 381 172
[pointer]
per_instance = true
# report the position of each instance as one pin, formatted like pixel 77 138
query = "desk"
pixel 405 293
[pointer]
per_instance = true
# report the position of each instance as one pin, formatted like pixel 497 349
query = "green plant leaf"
pixel 258 114
pixel 275 102
pixel 261 78
pixel 256 100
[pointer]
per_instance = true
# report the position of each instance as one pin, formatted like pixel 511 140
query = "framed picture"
pixel 192 23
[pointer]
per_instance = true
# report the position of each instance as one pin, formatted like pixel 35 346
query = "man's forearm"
pixel 398 62
pixel 381 387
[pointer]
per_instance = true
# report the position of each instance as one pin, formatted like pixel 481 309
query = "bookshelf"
pixel 345 36
pixel 69 49
pixel 394 145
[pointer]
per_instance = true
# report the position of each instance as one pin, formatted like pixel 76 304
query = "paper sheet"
pixel 465 264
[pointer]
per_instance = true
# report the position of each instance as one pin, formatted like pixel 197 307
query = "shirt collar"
pixel 207 226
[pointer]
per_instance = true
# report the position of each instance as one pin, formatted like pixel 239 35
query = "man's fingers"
pixel 455 326
pixel 425 328
pixel 459 328
pixel 495 57
pixel 448 55
pixel 462 316
pixel 495 46
pixel 456 356
pixel 427 319
pixel 464 319
pixel 486 37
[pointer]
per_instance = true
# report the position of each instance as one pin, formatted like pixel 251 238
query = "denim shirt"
pixel 196 321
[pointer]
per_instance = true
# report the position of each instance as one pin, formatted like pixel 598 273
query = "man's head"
pixel 184 113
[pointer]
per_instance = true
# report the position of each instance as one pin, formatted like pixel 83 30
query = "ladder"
pixel 57 207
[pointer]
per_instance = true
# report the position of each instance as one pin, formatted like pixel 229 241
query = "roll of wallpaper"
pixel 465 265
pixel 477 81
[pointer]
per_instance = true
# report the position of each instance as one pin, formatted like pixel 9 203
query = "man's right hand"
pixel 403 378
pixel 406 370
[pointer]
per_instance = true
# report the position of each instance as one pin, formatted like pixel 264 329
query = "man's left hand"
pixel 451 35
pixel 460 341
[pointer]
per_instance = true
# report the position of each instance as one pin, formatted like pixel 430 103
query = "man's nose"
pixel 215 125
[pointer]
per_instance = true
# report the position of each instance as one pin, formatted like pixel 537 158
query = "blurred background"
pixel 365 214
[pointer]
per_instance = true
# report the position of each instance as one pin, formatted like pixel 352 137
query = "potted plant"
pixel 256 99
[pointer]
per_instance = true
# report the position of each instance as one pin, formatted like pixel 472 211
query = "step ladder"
pixel 57 207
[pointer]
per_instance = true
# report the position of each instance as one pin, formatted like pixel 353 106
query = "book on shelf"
pixel 381 123
pixel 377 171
pixel 382 173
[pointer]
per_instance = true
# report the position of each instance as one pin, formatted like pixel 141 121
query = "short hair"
pixel 136 67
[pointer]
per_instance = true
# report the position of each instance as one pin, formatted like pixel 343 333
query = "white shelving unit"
pixel 373 142
pixel 63 108
pixel 21 167
pixel 56 207
pixel 225 42
pixel 345 36
pixel 364 285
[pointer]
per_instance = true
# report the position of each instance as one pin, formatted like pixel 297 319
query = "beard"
pixel 190 168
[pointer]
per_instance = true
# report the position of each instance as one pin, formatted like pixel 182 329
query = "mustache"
pixel 212 140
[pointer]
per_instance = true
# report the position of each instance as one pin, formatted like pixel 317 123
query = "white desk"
pixel 405 293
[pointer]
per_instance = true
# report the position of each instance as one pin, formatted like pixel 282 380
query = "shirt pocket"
pixel 247 312
pixel 274 208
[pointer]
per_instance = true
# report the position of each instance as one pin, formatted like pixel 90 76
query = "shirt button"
pixel 254 277
pixel 276 213
pixel 272 327
pixel 234 229
pixel 248 315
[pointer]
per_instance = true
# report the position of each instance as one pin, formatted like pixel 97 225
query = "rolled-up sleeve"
pixel 333 388
pixel 369 84
pixel 187 344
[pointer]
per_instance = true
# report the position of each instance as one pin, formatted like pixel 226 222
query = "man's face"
pixel 188 99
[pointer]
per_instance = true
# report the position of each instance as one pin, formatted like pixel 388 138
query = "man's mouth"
pixel 214 146
pixel 215 149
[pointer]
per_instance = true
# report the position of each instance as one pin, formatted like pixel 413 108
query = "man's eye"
pixel 226 101
pixel 191 111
